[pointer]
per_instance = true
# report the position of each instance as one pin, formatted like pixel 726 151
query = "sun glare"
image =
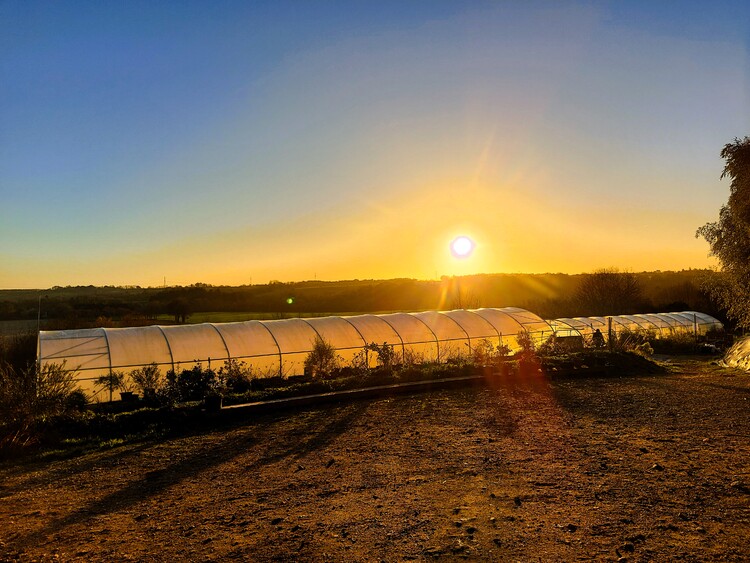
pixel 462 247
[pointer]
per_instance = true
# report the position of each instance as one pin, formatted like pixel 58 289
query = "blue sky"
pixel 229 142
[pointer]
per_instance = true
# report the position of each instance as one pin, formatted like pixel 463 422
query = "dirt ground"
pixel 651 468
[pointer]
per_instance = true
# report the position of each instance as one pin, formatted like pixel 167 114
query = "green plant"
pixel 729 237
pixel 387 356
pixel 77 401
pixel 148 381
pixel 236 375
pixel 527 350
pixel 627 340
pixel 450 353
pixel 322 360
pixel 112 381
pixel 189 385
pixel 360 363
pixel 412 358
pixel 31 397
pixel 485 353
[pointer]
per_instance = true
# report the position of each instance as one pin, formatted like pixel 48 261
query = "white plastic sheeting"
pixel 738 356
pixel 660 324
pixel 279 347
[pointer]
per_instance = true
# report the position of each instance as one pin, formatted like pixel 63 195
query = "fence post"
pixel 695 328
pixel 609 333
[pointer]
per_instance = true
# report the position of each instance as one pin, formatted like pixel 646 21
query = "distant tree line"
pixel 605 292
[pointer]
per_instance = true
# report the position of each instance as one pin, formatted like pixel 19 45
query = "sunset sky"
pixel 237 142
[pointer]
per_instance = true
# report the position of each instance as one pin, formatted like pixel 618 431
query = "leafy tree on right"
pixel 729 237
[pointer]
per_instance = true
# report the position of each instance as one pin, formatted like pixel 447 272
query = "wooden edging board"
pixel 351 394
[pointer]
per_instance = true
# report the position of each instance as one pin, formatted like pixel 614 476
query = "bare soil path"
pixel 651 468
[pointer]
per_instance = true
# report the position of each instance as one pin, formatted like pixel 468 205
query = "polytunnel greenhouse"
pixel 659 324
pixel 279 347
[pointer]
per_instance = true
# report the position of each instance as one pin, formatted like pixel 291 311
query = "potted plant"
pixel 214 396
pixel 114 381
pixel 148 380
pixel 213 401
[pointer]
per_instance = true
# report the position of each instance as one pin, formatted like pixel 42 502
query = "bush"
pixel 31 397
pixel 360 364
pixel 387 356
pixel 645 343
pixel 148 381
pixel 628 340
pixel 527 352
pixel 322 360
pixel 412 358
pixel 236 376
pixel 77 401
pixel 485 353
pixel 680 343
pixel 551 347
pixel 192 384
pixel 112 381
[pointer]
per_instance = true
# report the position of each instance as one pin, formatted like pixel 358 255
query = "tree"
pixel 180 309
pixel 729 237
pixel 609 292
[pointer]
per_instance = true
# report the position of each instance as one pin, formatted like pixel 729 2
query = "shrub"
pixel 526 343
pixel 485 353
pixel 360 364
pixel 387 356
pixel 322 360
pixel 551 347
pixel 77 401
pixel 148 381
pixel 236 376
pixel 112 381
pixel 189 385
pixel 30 397
pixel 627 340
pixel 482 354
pixel 412 358
pixel 451 354
pixel 679 343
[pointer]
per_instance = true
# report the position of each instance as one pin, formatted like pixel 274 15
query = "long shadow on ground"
pixel 317 431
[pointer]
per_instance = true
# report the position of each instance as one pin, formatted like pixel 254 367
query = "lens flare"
pixel 462 247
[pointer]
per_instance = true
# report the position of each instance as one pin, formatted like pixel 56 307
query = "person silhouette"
pixel 598 339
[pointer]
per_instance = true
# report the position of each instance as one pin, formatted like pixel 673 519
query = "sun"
pixel 462 247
